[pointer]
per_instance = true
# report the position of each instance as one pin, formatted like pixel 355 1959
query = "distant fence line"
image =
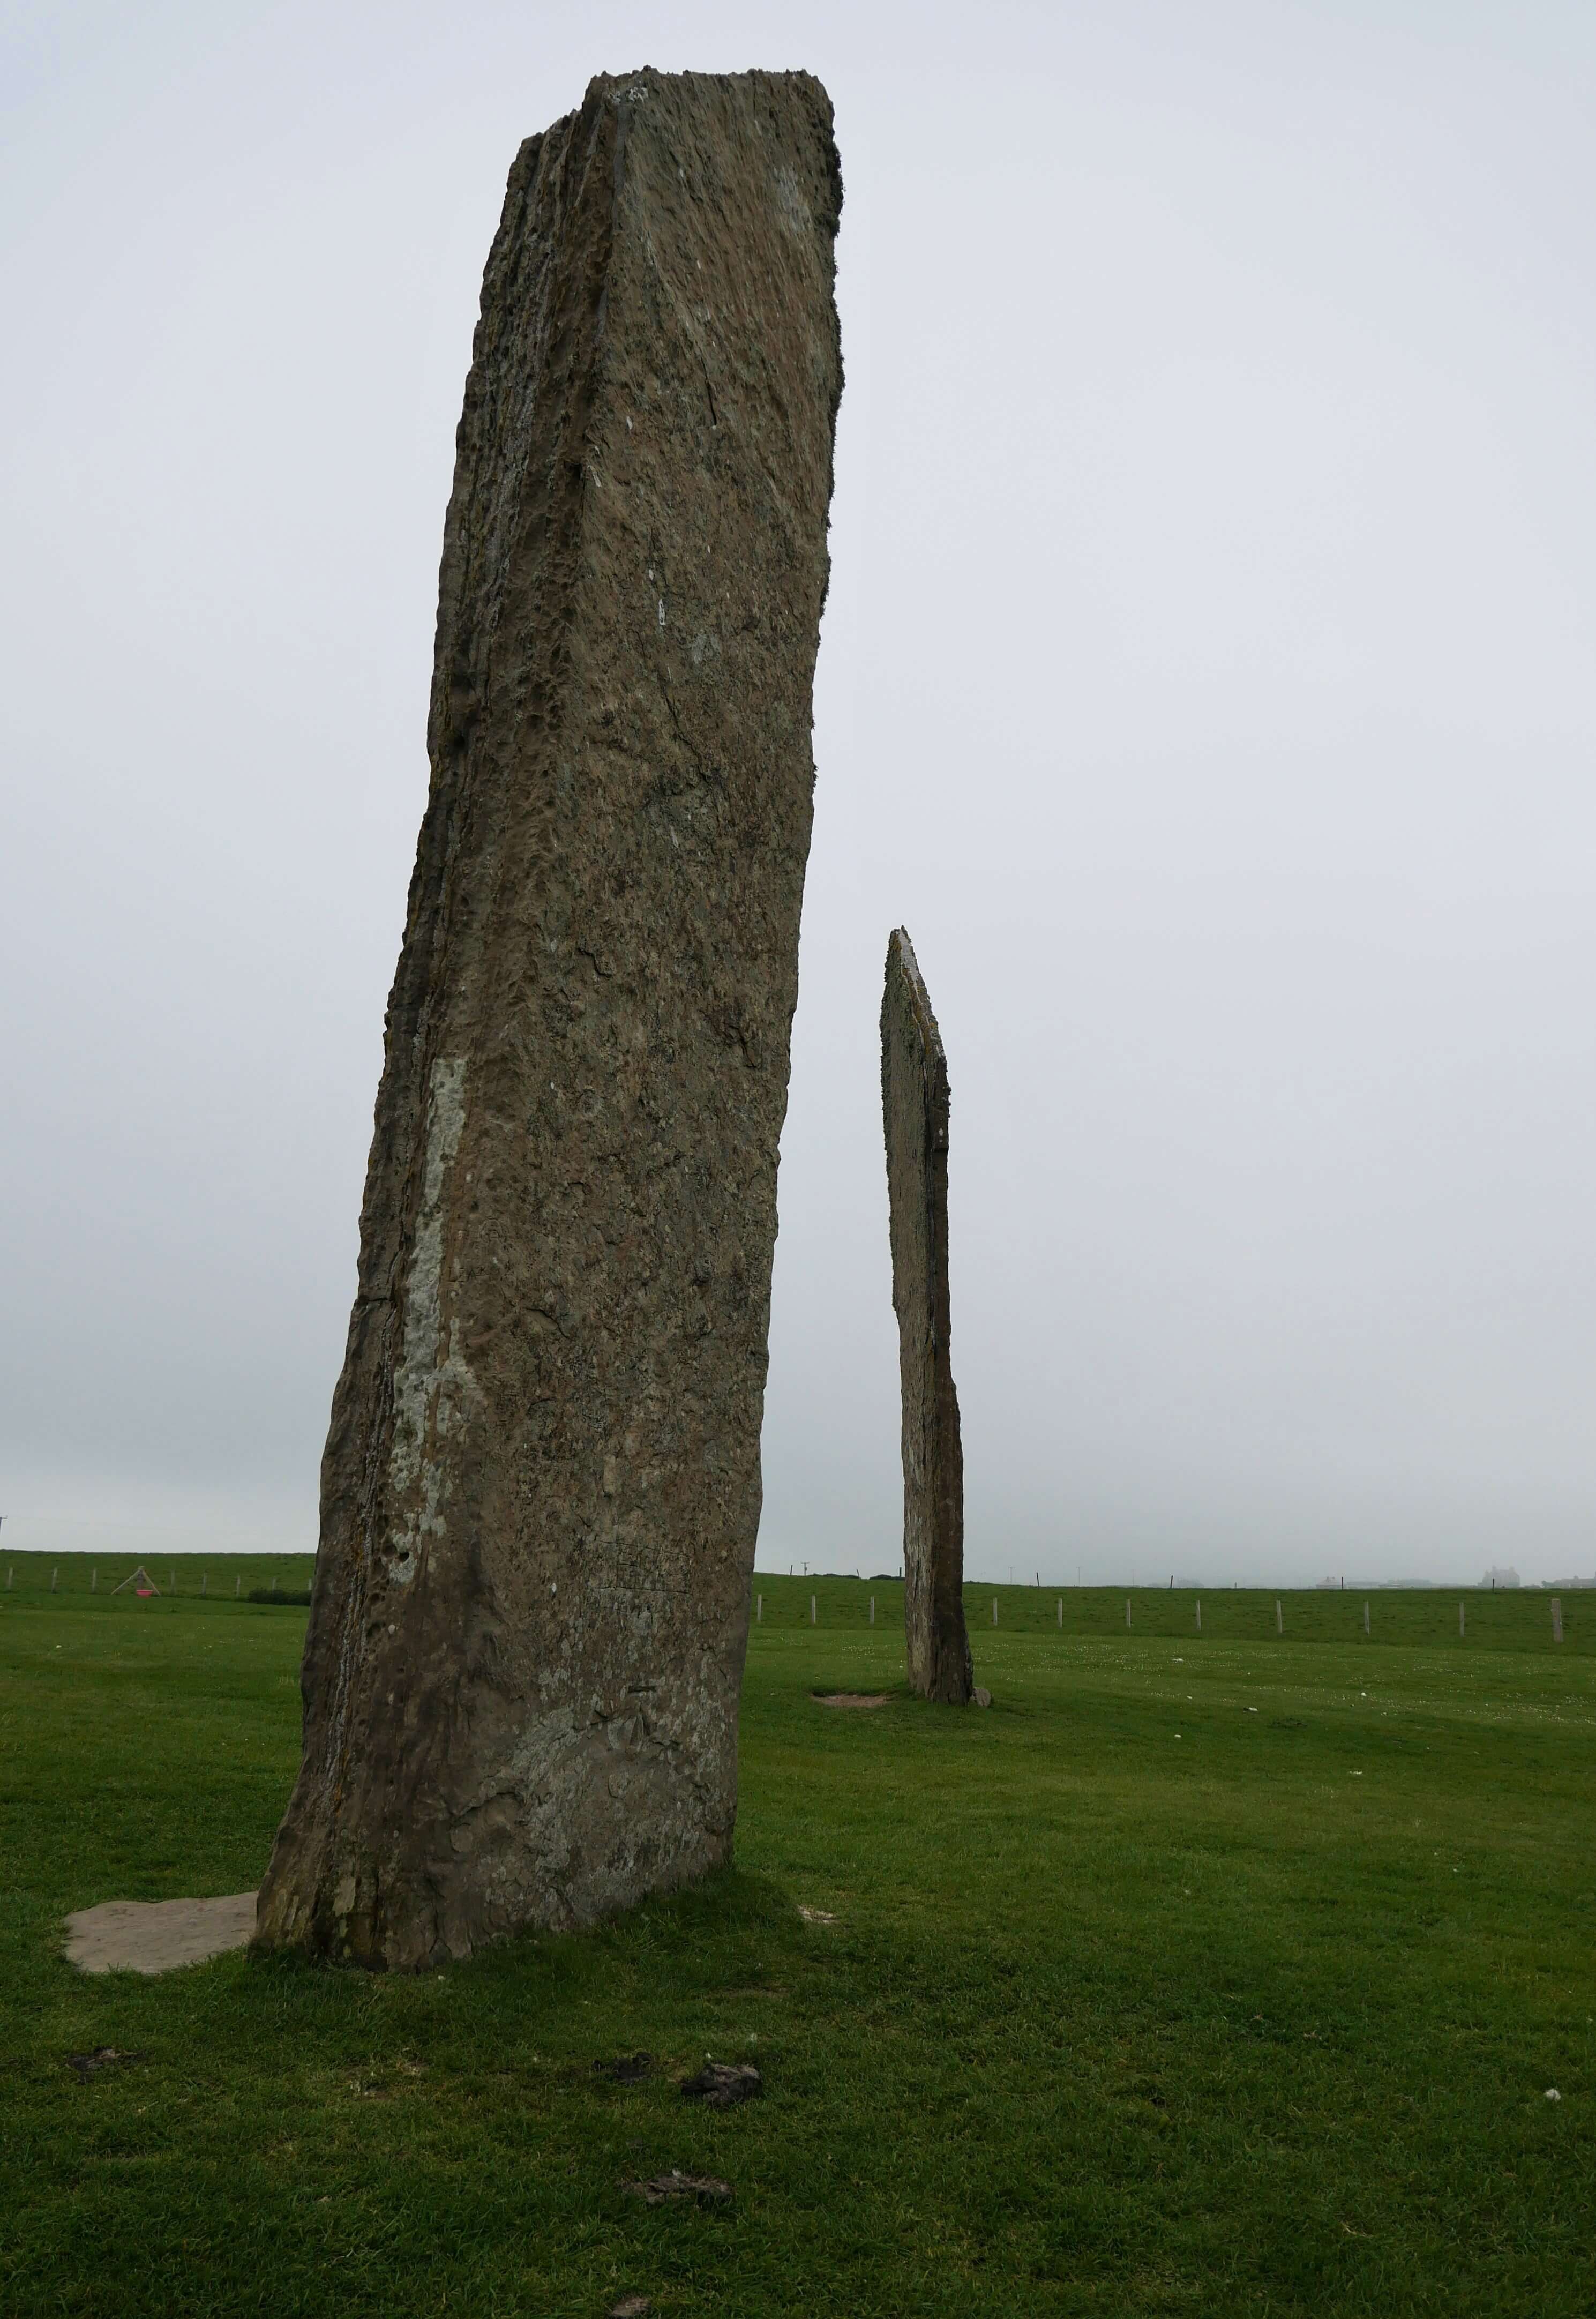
pixel 122 1582
pixel 1514 1618
pixel 1526 1617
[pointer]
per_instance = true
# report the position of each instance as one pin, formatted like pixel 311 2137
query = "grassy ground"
pixel 1213 1974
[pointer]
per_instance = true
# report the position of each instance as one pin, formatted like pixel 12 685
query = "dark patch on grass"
pixel 104 2057
pixel 627 2069
pixel 676 2187
pixel 722 2085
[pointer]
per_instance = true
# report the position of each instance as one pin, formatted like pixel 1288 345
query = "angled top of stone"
pixel 900 953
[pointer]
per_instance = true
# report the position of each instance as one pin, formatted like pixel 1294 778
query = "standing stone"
pixel 915 1103
pixel 541 1485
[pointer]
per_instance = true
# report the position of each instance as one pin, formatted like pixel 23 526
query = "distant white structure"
pixel 1500 1578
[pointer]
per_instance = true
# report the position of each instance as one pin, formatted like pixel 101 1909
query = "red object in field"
pixel 144 1593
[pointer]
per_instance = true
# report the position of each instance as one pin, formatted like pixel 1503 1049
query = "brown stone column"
pixel 541 1486
pixel 915 1104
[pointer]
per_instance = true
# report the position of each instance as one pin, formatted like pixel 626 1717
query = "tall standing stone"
pixel 541 1486
pixel 914 1104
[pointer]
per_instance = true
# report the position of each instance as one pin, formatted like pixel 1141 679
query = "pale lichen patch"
pixel 425 1380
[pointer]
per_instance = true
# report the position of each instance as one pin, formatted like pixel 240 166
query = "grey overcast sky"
pixel 1207 683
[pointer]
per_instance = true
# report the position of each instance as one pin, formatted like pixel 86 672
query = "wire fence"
pixel 1525 1618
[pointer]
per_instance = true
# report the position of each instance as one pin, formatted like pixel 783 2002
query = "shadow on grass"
pixel 708 1935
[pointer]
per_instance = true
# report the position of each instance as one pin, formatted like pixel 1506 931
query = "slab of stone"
pixel 158 1935
pixel 541 1485
pixel 914 1107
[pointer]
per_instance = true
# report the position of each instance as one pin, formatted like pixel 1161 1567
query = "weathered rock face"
pixel 541 1485
pixel 915 1103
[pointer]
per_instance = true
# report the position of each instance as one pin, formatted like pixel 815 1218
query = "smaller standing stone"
pixel 914 1106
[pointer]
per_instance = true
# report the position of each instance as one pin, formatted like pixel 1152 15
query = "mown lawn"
pixel 1201 1974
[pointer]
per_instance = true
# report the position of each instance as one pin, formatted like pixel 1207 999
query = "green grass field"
pixel 1206 1973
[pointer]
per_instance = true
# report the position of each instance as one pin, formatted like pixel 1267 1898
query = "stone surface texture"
pixel 541 1485
pixel 158 1935
pixel 914 1106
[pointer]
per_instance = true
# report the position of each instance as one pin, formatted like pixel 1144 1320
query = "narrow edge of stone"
pixel 900 951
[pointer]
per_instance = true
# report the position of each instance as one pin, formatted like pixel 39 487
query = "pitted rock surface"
pixel 541 1484
pixel 915 1104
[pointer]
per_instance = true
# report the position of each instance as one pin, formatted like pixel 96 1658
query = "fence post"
pixel 54 1575
pixel 1279 1620
pixel 811 1609
pixel 872 1609
pixel 171 1582
pixel 1127 1614
pixel 238 1585
pixel 995 1610
pixel 1199 1618
pixel 1060 1611
pixel 202 1577
pixel 94 1581
pixel 759 1609
pixel 1460 1625
pixel 9 1568
pixel 1365 1618
pixel 1556 1619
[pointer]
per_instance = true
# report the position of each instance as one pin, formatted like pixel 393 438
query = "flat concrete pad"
pixel 157 1935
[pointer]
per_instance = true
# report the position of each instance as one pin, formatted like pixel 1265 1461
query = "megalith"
pixel 541 1485
pixel 914 1106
